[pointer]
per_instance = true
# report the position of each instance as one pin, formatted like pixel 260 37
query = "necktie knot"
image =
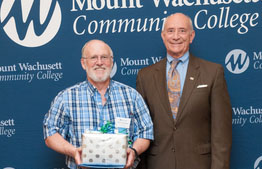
pixel 175 62
pixel 173 66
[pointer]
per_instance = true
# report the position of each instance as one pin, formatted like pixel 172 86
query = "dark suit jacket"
pixel 201 135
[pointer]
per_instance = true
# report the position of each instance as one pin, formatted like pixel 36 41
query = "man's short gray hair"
pixel 87 43
pixel 190 21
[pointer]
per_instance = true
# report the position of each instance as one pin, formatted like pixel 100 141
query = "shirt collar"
pixel 92 89
pixel 182 59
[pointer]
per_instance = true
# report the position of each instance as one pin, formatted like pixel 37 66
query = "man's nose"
pixel 176 35
pixel 99 61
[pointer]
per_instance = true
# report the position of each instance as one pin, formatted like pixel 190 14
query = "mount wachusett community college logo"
pixel 258 163
pixel 237 61
pixel 30 23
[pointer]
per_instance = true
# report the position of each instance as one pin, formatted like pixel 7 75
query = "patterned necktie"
pixel 174 88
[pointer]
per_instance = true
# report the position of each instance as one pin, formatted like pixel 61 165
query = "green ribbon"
pixel 107 127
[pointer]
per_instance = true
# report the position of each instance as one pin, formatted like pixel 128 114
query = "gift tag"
pixel 122 122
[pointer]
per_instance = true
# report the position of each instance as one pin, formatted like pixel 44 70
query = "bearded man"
pixel 88 104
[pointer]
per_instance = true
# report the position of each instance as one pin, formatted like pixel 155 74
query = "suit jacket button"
pixel 174 128
pixel 173 149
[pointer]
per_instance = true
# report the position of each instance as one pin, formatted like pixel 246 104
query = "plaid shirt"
pixel 79 107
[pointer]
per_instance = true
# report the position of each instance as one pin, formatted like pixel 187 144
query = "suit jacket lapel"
pixel 161 87
pixel 190 81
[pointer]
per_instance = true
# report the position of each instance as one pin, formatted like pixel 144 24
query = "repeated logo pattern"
pixel 24 27
pixel 237 61
pixel 258 163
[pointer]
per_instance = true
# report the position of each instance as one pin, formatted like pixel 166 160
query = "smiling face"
pixel 177 35
pixel 97 61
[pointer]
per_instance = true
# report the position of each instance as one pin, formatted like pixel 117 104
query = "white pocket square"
pixel 202 86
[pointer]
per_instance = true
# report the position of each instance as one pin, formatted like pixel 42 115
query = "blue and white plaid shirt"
pixel 79 107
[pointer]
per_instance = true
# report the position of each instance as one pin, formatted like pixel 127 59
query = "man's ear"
pixel 162 35
pixel 83 63
pixel 192 36
pixel 112 63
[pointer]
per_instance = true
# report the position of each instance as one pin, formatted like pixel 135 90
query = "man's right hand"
pixel 77 155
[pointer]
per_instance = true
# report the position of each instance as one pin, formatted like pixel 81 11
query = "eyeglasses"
pixel 95 58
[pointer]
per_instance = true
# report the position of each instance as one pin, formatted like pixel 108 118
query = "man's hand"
pixel 77 155
pixel 130 158
pixel 59 144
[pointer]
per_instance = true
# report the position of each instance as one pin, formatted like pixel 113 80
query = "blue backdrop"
pixel 40 50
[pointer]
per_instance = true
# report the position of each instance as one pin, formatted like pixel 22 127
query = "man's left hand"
pixel 130 158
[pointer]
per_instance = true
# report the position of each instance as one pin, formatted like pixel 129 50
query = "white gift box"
pixel 104 150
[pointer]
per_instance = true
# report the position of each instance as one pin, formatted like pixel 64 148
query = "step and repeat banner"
pixel 40 50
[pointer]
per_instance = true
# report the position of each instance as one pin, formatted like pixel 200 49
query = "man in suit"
pixel 199 134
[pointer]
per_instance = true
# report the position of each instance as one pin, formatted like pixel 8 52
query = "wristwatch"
pixel 134 151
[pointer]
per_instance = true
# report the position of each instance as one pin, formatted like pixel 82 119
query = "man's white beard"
pixel 93 76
